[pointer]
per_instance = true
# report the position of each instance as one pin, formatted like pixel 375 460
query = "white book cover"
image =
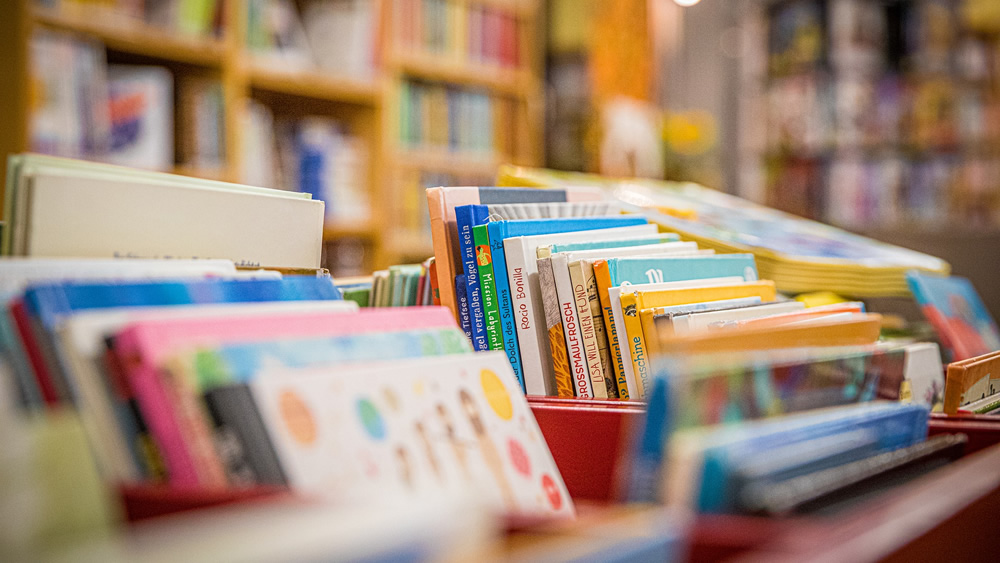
pixel 403 429
pixel 924 373
pixel 615 293
pixel 90 217
pixel 82 337
pixel 602 376
pixel 532 336
pixel 579 367
pixel 697 321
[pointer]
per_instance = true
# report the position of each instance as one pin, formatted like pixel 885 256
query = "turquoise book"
pixel 620 243
pixel 636 270
pixel 500 230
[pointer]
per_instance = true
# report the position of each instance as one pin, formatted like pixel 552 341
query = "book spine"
pixel 22 323
pixel 462 306
pixel 954 389
pixel 538 376
pixel 603 282
pixel 502 278
pixel 444 269
pixel 484 261
pixel 238 423
pixel 591 355
pixel 432 274
pixel 467 217
pixel 554 329
pixel 600 333
pixel 649 332
pixel 636 343
pixel 571 327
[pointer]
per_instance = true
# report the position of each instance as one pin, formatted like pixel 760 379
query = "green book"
pixel 360 295
pixel 487 287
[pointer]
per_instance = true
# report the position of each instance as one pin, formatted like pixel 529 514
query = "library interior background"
pixel 878 117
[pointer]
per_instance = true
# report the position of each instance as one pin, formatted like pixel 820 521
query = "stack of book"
pixel 435 116
pixel 799 255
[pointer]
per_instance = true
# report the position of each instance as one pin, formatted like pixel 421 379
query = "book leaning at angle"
pixel 99 213
pixel 401 429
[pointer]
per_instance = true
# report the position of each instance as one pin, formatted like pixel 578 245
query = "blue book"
pixel 893 426
pixel 466 217
pixel 639 269
pixel 500 230
pixel 50 302
pixel 462 303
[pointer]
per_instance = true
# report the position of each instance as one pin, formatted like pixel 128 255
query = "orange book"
pixel 970 380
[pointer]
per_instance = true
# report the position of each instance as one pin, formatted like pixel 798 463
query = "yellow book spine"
pixel 603 277
pixel 649 333
pixel 636 343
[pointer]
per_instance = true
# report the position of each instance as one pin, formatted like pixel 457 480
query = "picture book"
pixel 460 424
pixel 953 307
pixel 523 247
pixel 441 203
pixel 561 373
pixel 617 243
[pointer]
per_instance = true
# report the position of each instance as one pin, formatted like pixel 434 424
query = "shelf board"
pixel 454 162
pixel 358 230
pixel 120 33
pixel 313 84
pixel 507 81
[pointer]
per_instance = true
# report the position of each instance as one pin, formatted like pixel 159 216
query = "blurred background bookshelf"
pixel 306 95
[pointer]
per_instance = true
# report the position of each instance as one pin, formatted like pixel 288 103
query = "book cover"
pixel 971 380
pixel 484 261
pixel 521 275
pixel 241 433
pixel 354 434
pixel 467 217
pixel 554 328
pixel 616 243
pixel 957 313
pixel 141 109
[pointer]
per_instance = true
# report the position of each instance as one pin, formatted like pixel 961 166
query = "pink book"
pixel 170 407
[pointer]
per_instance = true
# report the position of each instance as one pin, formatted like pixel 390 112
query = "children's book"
pixel 971 380
pixel 396 429
pixel 957 313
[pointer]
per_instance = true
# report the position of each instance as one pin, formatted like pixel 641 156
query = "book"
pixel 958 315
pixel 441 203
pixel 971 380
pixel 582 275
pixel 467 217
pixel 586 383
pixel 561 373
pixel 141 112
pixel 463 305
pixel 484 261
pixel 617 243
pixel 337 438
pixel 118 216
pixel 167 397
pixel 521 276
pixel 711 455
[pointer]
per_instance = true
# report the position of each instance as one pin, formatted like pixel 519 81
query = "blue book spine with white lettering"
pixel 500 230
pixel 636 270
pixel 463 305
pixel 466 217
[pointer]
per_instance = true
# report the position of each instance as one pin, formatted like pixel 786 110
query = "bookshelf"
pixel 368 108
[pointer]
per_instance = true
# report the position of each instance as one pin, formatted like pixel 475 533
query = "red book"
pixel 22 323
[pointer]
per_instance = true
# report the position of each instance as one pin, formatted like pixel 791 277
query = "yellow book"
pixel 858 330
pixel 634 302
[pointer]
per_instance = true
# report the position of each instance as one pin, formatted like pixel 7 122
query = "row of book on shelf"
pixel 451 118
pixel 466 32
pixel 199 375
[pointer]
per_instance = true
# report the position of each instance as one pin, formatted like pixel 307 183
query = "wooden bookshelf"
pixel 369 108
